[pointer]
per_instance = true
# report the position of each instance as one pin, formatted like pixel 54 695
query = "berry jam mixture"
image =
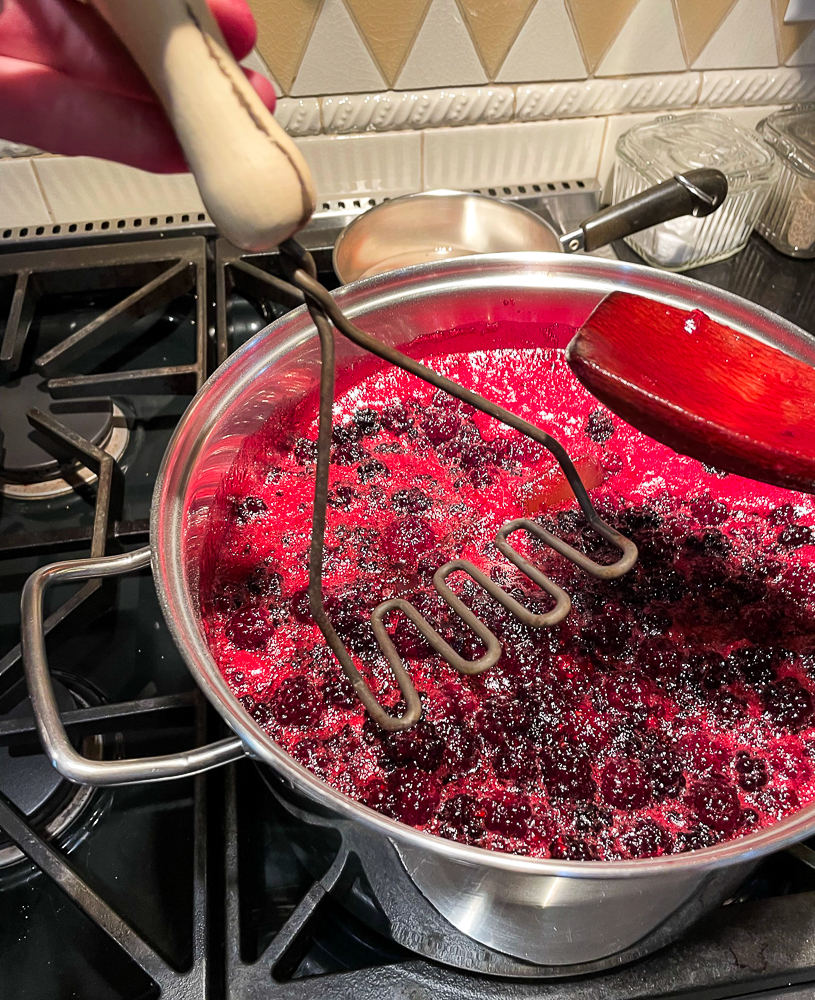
pixel 672 709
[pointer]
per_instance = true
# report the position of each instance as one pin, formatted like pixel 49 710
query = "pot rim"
pixel 166 526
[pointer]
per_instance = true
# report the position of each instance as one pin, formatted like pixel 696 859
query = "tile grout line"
pixel 43 192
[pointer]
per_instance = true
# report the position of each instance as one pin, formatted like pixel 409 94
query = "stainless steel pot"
pixel 482 910
pixel 441 225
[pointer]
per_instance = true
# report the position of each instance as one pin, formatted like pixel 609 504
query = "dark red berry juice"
pixel 671 710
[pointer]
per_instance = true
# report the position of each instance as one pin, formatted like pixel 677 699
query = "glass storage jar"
pixel 655 151
pixel 788 218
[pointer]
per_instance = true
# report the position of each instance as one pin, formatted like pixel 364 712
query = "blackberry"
pixel 599 426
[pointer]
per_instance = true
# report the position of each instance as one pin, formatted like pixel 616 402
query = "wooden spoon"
pixel 702 388
pixel 253 179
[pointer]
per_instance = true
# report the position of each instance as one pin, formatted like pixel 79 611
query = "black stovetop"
pixel 194 888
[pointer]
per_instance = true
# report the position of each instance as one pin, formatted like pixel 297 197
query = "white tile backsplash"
pixel 545 49
pixel 513 153
pixel 83 188
pixel 648 42
pixel 21 201
pixel 390 163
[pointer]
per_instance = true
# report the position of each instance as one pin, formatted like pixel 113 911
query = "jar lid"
pixel 674 143
pixel 792 135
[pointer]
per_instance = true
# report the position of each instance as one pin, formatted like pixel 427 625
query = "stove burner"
pixel 49 802
pixel 25 457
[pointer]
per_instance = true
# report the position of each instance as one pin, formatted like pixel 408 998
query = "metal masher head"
pixel 326 314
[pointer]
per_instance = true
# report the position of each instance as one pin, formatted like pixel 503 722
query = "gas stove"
pixel 197 888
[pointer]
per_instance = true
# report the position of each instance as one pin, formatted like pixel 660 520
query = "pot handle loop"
pixel 58 747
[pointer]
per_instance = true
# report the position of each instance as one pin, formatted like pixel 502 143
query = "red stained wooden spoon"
pixel 702 388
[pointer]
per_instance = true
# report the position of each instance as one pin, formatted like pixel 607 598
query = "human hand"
pixel 68 85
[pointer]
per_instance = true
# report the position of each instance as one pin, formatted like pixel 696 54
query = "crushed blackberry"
pixel 672 709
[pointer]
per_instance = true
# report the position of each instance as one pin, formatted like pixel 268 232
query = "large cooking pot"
pixel 466 906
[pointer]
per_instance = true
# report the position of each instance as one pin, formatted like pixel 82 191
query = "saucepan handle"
pixel 64 757
pixel 696 192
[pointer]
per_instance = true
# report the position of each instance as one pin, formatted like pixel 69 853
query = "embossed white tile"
pixel 546 47
pixel 738 88
pixel 82 188
pixel 648 42
pixel 21 201
pixel 512 154
pixel 299 115
pixel 537 101
pixel 745 38
pixel 396 110
pixel 443 54
pixel 336 60
pixel 347 165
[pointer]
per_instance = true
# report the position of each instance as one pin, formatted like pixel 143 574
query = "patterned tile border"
pixel 395 111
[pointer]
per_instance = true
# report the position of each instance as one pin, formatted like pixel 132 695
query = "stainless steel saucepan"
pixel 439 225
pixel 466 906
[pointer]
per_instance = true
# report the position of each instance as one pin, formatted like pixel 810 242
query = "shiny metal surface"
pixel 434 226
pixel 54 738
pixel 280 365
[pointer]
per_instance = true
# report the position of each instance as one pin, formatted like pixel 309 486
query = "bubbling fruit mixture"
pixel 672 709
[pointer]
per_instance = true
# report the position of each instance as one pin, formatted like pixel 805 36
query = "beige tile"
pixel 698 21
pixel 597 25
pixel 349 165
pixel 494 26
pixel 746 38
pixel 336 60
pixel 284 28
pixel 513 153
pixel 790 37
pixel 443 54
pixel 648 42
pixel 21 201
pixel 81 188
pixel 389 27
pixel 546 47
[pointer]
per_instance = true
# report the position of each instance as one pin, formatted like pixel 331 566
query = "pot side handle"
pixel 696 192
pixel 58 747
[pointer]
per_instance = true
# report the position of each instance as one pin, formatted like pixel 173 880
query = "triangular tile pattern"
pixel 698 22
pixel 494 26
pixel 389 29
pixel 443 54
pixel 745 39
pixel 790 37
pixel 545 49
pixel 597 23
pixel 648 42
pixel 284 29
pixel 336 60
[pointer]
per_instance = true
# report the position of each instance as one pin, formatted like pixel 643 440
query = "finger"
pixel 44 108
pixel 237 25
pixel 73 38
